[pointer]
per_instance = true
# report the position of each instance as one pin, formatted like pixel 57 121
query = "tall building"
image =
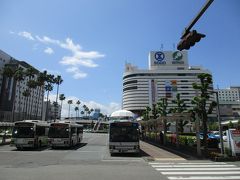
pixel 50 111
pixel 4 59
pixel 229 101
pixel 13 105
pixel 168 74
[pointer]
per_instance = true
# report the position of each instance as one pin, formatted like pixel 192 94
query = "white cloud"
pixel 105 109
pixel 76 59
pixel 77 74
pixel 26 35
pixel 49 50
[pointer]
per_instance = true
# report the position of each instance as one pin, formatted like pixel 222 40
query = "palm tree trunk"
pixel 31 104
pixel 69 112
pixel 42 102
pixel 40 89
pixel 46 112
pixel 61 110
pixel 19 100
pixel 55 108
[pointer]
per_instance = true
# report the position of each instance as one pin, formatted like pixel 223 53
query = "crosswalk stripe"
pixel 188 163
pixel 210 165
pixel 204 178
pixel 200 172
pixel 196 169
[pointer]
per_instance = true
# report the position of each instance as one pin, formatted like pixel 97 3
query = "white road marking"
pixel 155 163
pixel 210 165
pixel 200 172
pixel 196 169
pixel 204 177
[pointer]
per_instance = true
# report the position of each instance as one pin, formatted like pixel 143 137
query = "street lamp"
pixel 219 123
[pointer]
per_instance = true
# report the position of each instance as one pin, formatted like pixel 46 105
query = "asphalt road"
pixel 91 160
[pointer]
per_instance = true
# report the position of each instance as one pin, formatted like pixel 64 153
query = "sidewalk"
pixel 157 153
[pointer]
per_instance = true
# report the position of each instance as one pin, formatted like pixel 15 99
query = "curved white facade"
pixel 164 78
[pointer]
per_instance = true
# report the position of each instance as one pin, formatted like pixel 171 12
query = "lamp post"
pixel 219 123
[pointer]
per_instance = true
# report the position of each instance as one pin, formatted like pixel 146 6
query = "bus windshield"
pixel 23 132
pixel 58 131
pixel 120 132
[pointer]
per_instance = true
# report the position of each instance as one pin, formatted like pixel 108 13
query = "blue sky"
pixel 89 41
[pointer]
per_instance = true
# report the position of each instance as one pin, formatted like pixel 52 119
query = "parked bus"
pixel 30 133
pixel 65 134
pixel 123 133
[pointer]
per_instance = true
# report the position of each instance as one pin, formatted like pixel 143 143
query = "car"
pixel 212 140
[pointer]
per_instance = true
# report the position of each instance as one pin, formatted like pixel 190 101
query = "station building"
pixel 168 73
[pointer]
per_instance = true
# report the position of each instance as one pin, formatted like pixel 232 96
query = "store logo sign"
pixel 177 57
pixel 159 58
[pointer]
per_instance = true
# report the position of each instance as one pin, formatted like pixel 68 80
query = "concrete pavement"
pixel 155 153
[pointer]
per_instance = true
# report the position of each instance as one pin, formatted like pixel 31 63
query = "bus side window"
pixel 40 130
pixel 73 130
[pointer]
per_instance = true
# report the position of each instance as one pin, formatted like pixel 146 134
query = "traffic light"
pixel 189 40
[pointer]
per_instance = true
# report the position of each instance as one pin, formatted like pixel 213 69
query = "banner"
pixel 234 141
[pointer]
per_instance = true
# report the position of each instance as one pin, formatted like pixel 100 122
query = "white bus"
pixel 30 133
pixel 65 134
pixel 124 137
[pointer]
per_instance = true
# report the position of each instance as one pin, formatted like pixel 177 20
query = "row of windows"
pixel 130 88
pixel 130 82
pixel 158 74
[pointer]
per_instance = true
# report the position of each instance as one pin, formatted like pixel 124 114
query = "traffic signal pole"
pixel 204 8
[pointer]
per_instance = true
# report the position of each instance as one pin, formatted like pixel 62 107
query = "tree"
pixel 78 103
pixel 69 103
pixel 82 113
pixel 76 109
pixel 26 93
pixel 162 106
pixel 201 100
pixel 230 125
pixel 180 108
pixel 58 80
pixel 30 73
pixel 19 76
pixel 146 113
pixel 61 98
pixel 32 84
pixel 41 79
pixel 48 87
pixel 8 71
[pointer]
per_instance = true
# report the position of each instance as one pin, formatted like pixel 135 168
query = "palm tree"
pixel 26 94
pixel 41 79
pixel 48 88
pixel 61 98
pixel 32 84
pixel 19 76
pixel 58 80
pixel 82 113
pixel 84 108
pixel 30 73
pixel 9 73
pixel 69 103
pixel 76 109
pixel 78 103
pixel 200 103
